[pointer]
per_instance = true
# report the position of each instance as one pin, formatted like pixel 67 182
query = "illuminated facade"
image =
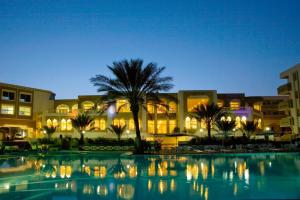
pixel 39 109
pixel 291 106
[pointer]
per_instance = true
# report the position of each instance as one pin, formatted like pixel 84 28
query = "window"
pixel 220 103
pixel 131 125
pixel 172 126
pixel 194 123
pixel 87 105
pixel 8 95
pixel 25 98
pixel 69 125
pixel 162 126
pixel 25 111
pixel 193 102
pixel 235 105
pixel 102 124
pixel 150 108
pixel 119 122
pixel 7 109
pixel 188 123
pixel 63 125
pixel 172 107
pixel 54 123
pixel 49 122
pixel 62 109
pixel 123 106
pixel 238 122
pixel 257 107
pixel 151 126
pixel 75 108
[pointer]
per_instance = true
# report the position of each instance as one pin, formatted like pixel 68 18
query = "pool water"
pixel 115 176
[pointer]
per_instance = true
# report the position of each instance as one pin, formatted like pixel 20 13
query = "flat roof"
pixel 24 87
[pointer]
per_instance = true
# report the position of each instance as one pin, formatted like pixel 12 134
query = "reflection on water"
pixel 161 177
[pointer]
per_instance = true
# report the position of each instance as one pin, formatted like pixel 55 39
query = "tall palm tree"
pixel 81 122
pixel 117 129
pixel 249 128
pixel 210 113
pixel 225 126
pixel 133 82
pixel 49 130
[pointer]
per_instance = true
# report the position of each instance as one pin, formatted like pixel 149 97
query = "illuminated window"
pixel 257 107
pixel 49 122
pixel 69 125
pixel 102 124
pixel 172 107
pixel 194 123
pixel 54 123
pixel 150 108
pixel 74 107
pixel 123 105
pixel 151 126
pixel 172 125
pixel 161 108
pixel 188 123
pixel 238 122
pixel 162 126
pixel 63 125
pixel 25 97
pixel 193 102
pixel 87 105
pixel 25 111
pixel 62 109
pixel 235 105
pixel 7 109
pixel 259 124
pixel 220 103
pixel 96 124
pixel 119 122
pixel 131 124
pixel 8 95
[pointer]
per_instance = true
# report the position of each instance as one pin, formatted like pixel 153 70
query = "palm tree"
pixel 117 129
pixel 249 128
pixel 133 82
pixel 49 130
pixel 210 113
pixel 225 126
pixel 81 122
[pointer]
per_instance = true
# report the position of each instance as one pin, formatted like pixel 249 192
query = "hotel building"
pixel 28 110
pixel 291 106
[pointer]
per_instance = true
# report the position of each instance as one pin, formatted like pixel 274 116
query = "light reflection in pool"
pixel 160 177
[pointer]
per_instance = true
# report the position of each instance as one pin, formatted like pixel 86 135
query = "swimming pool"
pixel 115 176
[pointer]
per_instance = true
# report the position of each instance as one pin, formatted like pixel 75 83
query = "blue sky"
pixel 230 46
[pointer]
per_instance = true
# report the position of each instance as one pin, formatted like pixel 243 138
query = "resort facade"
pixel 24 111
pixel 291 106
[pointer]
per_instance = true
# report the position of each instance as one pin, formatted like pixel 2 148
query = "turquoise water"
pixel 113 176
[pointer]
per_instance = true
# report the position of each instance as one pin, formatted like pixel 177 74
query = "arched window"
pixel 194 123
pixel 172 125
pixel 172 107
pixel 122 105
pixel 74 107
pixel 54 123
pixel 102 124
pixel 62 108
pixel 63 125
pixel 49 122
pixel 69 125
pixel 150 108
pixel 87 105
pixel 188 123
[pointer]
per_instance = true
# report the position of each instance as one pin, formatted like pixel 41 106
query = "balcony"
pixel 285 105
pixel 284 89
pixel 286 122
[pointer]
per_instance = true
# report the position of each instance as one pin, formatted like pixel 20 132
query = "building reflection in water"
pixel 118 176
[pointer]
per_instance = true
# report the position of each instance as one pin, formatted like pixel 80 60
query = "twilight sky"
pixel 230 46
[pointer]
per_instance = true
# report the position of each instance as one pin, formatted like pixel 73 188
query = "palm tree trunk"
pixel 138 140
pixel 81 138
pixel 208 130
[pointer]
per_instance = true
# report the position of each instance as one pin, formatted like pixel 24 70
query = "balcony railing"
pixel 285 105
pixel 286 122
pixel 284 89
